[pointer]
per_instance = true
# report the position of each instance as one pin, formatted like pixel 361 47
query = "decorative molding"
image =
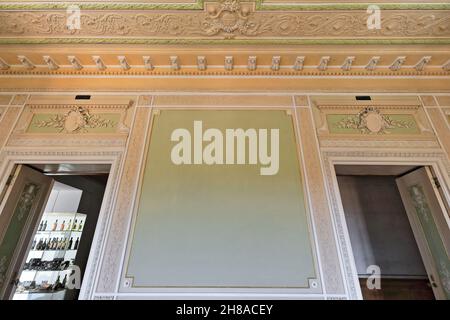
pixel 225 20
pixel 251 65
pixel 299 63
pixel 422 63
pixel 77 120
pixel 148 65
pixel 347 65
pixel 371 121
pixel 214 41
pixel 174 63
pixel 446 66
pixel 275 63
pixel 229 18
pixel 52 65
pixel 3 65
pixel 109 271
pixel 372 63
pixel 201 63
pixel 397 64
pixel 75 62
pixel 72 106
pixel 99 63
pixel 326 142
pixel 406 107
pixel 229 63
pixel 323 64
pixel 26 62
pixel 123 63
pixel 13 154
pixel 199 5
pixel 67 140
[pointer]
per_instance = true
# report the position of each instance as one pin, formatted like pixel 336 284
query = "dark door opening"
pixel 51 253
pixel 381 234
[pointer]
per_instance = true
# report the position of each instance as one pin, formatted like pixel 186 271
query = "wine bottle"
pixel 63 284
pixel 70 244
pixel 75 225
pixel 33 245
pixel 69 225
pixel 80 226
pixel 54 225
pixel 62 226
pixel 40 226
pixel 56 285
pixel 75 247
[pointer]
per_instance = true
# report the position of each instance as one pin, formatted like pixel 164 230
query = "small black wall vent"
pixel 82 97
pixel 363 98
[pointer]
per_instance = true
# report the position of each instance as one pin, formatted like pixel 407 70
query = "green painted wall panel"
pixel 221 225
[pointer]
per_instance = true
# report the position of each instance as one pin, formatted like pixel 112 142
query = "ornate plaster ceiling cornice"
pixel 235 22
pixel 200 5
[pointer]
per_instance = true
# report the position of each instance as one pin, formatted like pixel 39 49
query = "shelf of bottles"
pixel 53 251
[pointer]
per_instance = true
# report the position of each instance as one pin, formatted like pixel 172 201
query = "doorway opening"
pixel 395 237
pixel 49 215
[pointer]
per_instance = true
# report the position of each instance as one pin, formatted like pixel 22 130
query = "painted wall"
pixel 201 225
pixel 126 148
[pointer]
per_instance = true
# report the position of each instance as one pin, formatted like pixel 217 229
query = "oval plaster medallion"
pixel 74 121
pixel 374 122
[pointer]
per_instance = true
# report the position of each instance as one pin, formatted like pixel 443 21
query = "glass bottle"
pixel 54 225
pixel 75 247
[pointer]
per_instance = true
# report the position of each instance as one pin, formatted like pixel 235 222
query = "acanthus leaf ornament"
pixel 76 120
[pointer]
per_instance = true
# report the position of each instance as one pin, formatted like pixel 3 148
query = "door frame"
pixel 435 159
pixel 9 157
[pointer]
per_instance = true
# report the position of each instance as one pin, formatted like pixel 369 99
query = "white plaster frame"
pixel 435 159
pixel 12 156
pixel 122 292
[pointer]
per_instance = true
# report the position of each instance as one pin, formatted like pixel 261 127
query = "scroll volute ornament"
pixel 230 18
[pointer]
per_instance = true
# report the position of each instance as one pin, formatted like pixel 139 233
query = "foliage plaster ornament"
pixel 226 19
pixel 76 120
pixel 371 121
pixel 229 18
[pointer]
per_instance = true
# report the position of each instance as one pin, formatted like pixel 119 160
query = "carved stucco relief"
pixel 229 19
pixel 76 120
pixel 371 121
pixel 110 269
pixel 382 121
